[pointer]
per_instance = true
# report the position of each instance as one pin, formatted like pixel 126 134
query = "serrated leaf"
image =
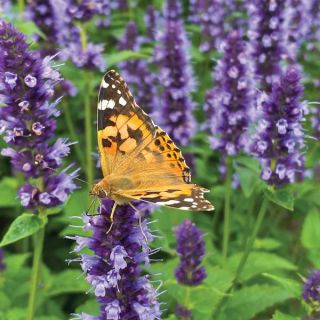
pixel 23 226
pixel 249 301
pixel 256 264
pixel 66 282
pixel 310 236
pixel 281 316
pixel 282 197
pixel 290 285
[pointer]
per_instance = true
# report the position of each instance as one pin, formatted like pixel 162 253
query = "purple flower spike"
pixel 2 264
pixel 267 39
pixel 114 270
pixel 228 103
pixel 176 78
pixel 279 137
pixel 191 249
pixel 136 72
pixel 311 291
pixel 151 19
pixel 27 84
pixel 183 313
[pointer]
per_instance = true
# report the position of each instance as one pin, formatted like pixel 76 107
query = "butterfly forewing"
pixel 131 144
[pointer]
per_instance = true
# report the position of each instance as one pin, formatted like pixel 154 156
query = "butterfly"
pixel 139 161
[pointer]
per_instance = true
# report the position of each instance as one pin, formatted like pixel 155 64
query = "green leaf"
pixel 310 236
pixel 15 262
pixel 248 172
pixel 66 282
pixel 16 314
pixel 281 316
pixel 289 285
pixel 249 301
pixel 267 244
pixel 259 262
pixel 91 306
pixel 114 58
pixel 23 226
pixel 8 187
pixel 5 301
pixel 282 197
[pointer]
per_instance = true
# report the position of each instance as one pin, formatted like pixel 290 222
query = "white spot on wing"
pixel 104 104
pixel 119 92
pixel 184 208
pixel 188 199
pixel 113 86
pixel 122 101
pixel 104 84
pixel 168 202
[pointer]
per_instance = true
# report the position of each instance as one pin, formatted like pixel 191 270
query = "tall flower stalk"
pixel 114 270
pixel 176 77
pixel 28 125
pixel 227 106
pixel 191 249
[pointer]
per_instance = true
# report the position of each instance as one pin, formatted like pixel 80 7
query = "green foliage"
pixel 282 197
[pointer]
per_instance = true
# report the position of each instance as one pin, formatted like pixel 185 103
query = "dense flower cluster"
pixel 266 22
pixel 311 291
pixel 191 249
pixel 114 270
pixel 28 120
pixel 176 79
pixel 229 102
pixel 57 19
pixel 151 19
pixel 183 313
pixel 2 263
pixel 315 121
pixel 314 21
pixel 279 138
pixel 136 72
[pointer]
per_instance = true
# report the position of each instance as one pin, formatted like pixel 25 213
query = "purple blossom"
pixel 172 9
pixel 177 81
pixel 114 270
pixel 151 19
pixel 228 103
pixel 314 22
pixel 136 72
pixel 267 39
pixel 279 138
pixel 28 122
pixel 191 249
pixel 311 291
pixel 315 121
pixel 183 313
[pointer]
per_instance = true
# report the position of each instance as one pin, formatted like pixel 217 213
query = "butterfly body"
pixel 139 161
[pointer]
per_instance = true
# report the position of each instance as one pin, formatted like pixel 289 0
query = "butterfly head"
pixel 99 190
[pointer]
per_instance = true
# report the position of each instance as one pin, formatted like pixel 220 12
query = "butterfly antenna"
pixel 140 220
pixel 76 178
pixel 92 203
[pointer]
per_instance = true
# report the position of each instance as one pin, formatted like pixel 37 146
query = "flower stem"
pixel 21 6
pixel 88 129
pixel 245 256
pixel 226 225
pixel 36 264
pixel 72 132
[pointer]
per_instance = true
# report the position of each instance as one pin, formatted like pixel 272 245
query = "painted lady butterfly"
pixel 139 161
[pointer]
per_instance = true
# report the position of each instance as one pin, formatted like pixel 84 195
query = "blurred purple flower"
pixel 151 19
pixel 114 270
pixel 136 72
pixel 177 81
pixel 311 291
pixel 27 84
pixel 172 9
pixel 315 121
pixel 183 313
pixel 229 102
pixel 266 33
pixel 191 249
pixel 279 138
pixel 314 22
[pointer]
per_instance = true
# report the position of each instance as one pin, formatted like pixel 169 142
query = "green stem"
pixel 88 130
pixel 72 132
pixel 226 224
pixel 21 6
pixel 35 274
pixel 244 258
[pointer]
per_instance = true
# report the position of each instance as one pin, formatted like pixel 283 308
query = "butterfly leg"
pixel 111 216
pixel 140 222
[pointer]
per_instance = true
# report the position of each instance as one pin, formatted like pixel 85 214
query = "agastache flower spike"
pixel 266 21
pixel 176 78
pixel 114 271
pixel 279 138
pixel 311 291
pixel 136 72
pixel 28 122
pixel 191 249
pixel 229 102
